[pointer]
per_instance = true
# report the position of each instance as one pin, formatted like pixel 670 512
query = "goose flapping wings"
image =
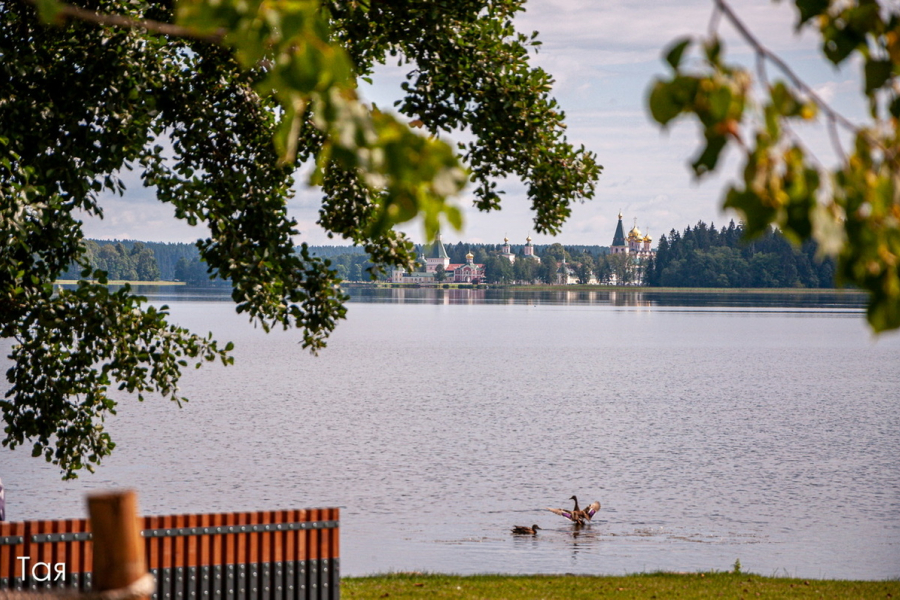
pixel 577 515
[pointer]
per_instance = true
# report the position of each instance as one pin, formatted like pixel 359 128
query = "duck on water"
pixel 522 530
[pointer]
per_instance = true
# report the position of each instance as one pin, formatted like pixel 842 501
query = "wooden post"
pixel 118 545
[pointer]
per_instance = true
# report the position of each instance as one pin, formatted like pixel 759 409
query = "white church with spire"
pixel 527 251
pixel 436 259
pixel 636 245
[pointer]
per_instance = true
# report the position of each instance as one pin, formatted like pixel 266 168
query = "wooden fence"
pixel 274 555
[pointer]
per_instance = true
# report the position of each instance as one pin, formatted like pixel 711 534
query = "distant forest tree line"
pixel 131 261
pixel 700 256
pixel 181 261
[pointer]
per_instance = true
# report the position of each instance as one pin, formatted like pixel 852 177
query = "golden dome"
pixel 528 239
pixel 506 240
pixel 647 238
pixel 469 255
pixel 635 232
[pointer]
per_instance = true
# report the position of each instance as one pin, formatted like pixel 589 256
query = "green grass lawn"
pixel 653 585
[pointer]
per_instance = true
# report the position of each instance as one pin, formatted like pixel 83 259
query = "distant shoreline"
pixel 547 288
pixel 119 282
pixel 682 290
pixel 615 288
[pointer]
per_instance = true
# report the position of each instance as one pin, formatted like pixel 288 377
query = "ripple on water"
pixel 707 436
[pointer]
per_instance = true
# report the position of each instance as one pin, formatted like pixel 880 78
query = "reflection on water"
pixel 603 295
pixel 611 296
pixel 709 433
pixel 497 296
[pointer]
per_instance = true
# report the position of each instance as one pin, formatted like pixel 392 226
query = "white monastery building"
pixel 436 259
pixel 637 246
pixel 527 251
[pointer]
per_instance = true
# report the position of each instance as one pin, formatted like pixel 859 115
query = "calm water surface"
pixel 764 429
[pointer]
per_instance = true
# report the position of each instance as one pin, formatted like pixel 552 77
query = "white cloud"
pixel 643 27
pixel 136 218
pixel 603 56
pixel 838 91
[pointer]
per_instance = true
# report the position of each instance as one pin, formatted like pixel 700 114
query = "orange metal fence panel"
pixel 269 555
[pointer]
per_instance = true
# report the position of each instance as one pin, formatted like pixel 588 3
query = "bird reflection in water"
pixel 583 536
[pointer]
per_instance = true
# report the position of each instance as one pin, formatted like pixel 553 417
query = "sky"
pixel 604 57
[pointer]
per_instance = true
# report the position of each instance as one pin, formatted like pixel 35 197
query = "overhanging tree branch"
pixel 61 12
pixel 79 103
pixel 852 209
pixel 783 66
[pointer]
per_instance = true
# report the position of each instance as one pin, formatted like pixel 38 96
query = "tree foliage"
pixel 702 256
pixel 852 210
pixel 620 268
pixel 135 263
pixel 212 102
pixel 584 268
pixel 498 269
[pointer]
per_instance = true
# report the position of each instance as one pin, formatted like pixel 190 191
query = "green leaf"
pixel 49 10
pixel 664 104
pixel 864 18
pixel 839 44
pixel 455 217
pixel 877 74
pixel 720 102
pixel 895 107
pixel 883 312
pixel 810 9
pixel 676 50
pixel 756 214
pixel 798 222
pixel 783 100
pixel 288 130
pixel 773 123
pixel 713 50
pixel 706 162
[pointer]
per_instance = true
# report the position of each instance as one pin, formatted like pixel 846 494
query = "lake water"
pixel 711 428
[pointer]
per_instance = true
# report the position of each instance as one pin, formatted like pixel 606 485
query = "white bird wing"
pixel 563 513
